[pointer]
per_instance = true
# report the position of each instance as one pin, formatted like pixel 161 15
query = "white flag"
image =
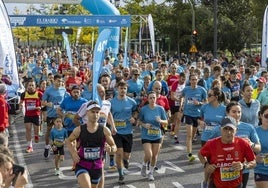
pixel 151 29
pixel 7 51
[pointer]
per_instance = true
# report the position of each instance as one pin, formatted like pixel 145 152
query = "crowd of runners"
pixel 224 99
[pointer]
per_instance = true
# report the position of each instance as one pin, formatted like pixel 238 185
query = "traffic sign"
pixel 193 49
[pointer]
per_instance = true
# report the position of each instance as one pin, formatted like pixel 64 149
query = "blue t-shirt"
pixel 262 168
pixel 58 136
pixel 148 115
pixel 135 87
pixel 122 112
pixel 70 106
pixel 190 94
pixel 55 96
pixel 212 117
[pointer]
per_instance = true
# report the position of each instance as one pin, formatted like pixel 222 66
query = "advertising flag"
pixel 99 50
pixel 7 51
pixel 67 47
pixel 151 30
pixel 264 49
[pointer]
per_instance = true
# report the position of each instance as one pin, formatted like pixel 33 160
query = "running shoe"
pixel 126 163
pixel 36 139
pixel 41 133
pixel 143 171
pixel 204 184
pixel 29 149
pixel 121 180
pixel 191 158
pixel 176 140
pixel 112 165
pixel 57 172
pixel 172 133
pixel 150 177
pixel 46 153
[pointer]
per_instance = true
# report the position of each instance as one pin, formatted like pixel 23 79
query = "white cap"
pixel 91 106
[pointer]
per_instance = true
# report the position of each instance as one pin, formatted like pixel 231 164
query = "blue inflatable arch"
pixel 96 7
pixel 104 7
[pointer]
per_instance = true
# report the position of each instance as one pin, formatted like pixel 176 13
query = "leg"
pixel 189 137
pixel 84 180
pixel 28 128
pixel 155 153
pixel 147 148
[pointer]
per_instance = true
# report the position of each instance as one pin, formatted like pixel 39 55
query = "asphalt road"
pixel 174 169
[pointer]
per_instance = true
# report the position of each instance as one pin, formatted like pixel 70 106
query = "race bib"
pixel 120 124
pixel 92 153
pixel 228 174
pixel 30 106
pixel 153 132
pixel 265 160
pixel 58 143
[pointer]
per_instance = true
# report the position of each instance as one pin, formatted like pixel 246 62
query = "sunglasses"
pixel 265 116
pixel 210 95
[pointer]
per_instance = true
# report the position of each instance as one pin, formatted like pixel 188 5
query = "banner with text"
pixel 7 50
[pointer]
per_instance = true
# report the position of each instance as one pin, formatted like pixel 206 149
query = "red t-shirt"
pixel 222 155
pixel 4 113
pixel 172 78
pixel 63 66
pixel 177 88
pixel 71 81
pixel 31 101
pixel 161 101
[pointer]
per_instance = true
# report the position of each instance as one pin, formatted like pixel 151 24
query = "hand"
pixel 237 166
pixel 114 131
pixel 49 104
pixel 196 102
pixel 148 126
pixel 132 120
pixel 22 180
pixel 75 157
pixel 38 108
pixel 54 148
pixel 210 168
pixel 157 118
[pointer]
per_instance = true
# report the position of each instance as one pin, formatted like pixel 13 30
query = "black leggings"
pixel 245 180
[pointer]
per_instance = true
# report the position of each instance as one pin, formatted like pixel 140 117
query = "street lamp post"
pixel 215 22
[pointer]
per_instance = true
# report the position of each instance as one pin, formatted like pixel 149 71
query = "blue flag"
pixel 125 63
pixel 68 48
pixel 99 49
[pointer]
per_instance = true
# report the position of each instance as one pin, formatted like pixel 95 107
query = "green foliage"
pixel 239 23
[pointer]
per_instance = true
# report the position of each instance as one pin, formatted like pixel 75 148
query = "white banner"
pixel 7 51
pixel 264 49
pixel 42 1
pixel 151 29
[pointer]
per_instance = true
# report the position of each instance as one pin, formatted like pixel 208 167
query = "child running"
pixel 58 135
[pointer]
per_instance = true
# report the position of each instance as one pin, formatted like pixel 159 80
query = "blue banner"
pixel 99 49
pixel 67 47
pixel 65 20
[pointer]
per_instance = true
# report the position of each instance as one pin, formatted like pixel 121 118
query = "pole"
pixel 215 22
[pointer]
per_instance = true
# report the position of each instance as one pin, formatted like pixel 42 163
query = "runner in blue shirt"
pixel 123 108
pixel 52 98
pixel 261 170
pixel 193 98
pixel 69 106
pixel 151 117
pixel 212 113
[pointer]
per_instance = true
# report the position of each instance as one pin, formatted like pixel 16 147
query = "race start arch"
pixel 96 7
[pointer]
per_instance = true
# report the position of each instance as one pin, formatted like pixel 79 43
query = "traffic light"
pixel 194 36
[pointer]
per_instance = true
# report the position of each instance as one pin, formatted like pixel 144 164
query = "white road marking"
pixel 19 155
